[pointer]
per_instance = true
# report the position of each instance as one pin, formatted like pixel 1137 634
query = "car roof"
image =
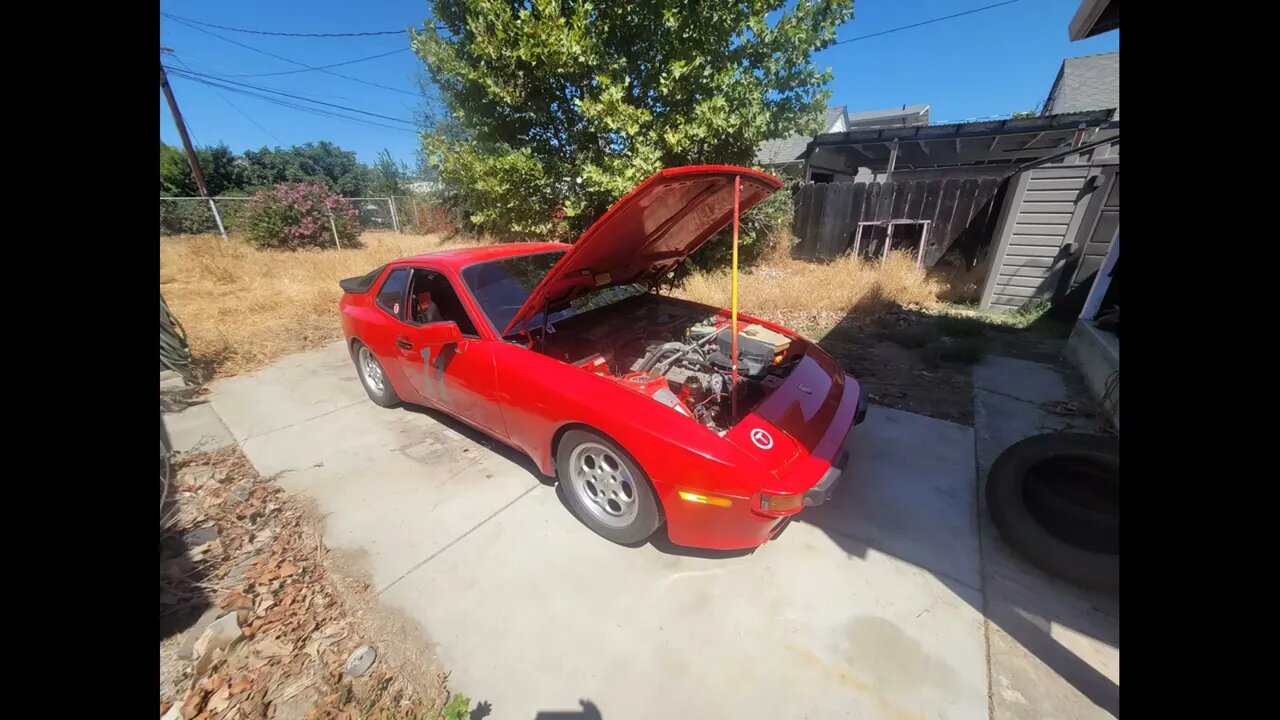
pixel 458 258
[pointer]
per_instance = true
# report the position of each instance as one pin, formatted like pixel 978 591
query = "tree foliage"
pixel 310 162
pixel 222 170
pixel 571 103
pixel 388 177
pixel 322 162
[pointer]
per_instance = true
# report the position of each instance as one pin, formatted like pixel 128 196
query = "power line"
pixel 224 83
pixel 288 60
pixel 293 34
pixel 925 22
pixel 322 67
pixel 221 77
pixel 273 91
pixel 294 106
pixel 233 105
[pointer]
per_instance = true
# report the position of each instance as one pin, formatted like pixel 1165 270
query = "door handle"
pixel 403 343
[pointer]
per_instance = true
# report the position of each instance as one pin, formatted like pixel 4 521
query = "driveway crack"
pixel 456 540
pixel 295 424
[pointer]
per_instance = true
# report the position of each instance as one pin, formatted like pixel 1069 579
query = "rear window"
pixel 391 295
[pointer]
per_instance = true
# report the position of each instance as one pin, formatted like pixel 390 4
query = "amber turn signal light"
pixel 780 504
pixel 705 499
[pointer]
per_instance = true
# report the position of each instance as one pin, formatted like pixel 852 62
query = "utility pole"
pixel 191 151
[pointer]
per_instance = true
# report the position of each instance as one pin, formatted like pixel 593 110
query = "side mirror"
pixel 441 333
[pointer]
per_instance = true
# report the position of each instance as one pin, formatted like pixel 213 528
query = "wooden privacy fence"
pixel 827 215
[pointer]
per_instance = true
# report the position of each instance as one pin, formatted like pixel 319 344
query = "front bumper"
pixel 820 493
pixel 741 526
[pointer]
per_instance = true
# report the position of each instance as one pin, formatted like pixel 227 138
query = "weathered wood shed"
pixel 1057 222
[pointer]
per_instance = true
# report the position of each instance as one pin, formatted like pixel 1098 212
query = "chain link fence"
pixel 195 215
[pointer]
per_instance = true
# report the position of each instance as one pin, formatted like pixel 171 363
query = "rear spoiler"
pixel 361 284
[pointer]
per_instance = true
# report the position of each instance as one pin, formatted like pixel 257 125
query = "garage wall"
pixel 1051 209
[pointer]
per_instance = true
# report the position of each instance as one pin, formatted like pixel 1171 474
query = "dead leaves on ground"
pixel 265 564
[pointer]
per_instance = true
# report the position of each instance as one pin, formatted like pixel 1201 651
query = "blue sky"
pixel 993 62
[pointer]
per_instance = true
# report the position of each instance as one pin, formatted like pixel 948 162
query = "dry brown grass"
pixel 805 295
pixel 960 284
pixel 243 308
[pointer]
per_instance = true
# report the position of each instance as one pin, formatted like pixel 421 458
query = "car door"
pixel 451 370
pixel 379 325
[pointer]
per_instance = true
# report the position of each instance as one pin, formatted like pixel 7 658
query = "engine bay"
pixel 677 355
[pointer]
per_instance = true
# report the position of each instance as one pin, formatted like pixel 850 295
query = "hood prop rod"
pixel 546 305
pixel 733 274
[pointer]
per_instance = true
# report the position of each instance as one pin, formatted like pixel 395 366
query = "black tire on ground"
pixel 634 487
pixel 1016 518
pixel 384 396
pixel 1078 501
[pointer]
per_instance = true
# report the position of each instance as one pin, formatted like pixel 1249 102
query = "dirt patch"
pixel 920 360
pixel 258 618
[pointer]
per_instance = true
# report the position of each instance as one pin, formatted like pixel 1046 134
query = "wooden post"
pixel 192 159
pixel 893 161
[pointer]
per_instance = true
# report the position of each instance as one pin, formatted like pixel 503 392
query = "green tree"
pixel 175 174
pixel 388 177
pixel 1022 114
pixel 223 170
pixel 312 162
pixel 571 103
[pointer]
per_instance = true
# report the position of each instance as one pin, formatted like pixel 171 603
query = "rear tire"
pixel 605 488
pixel 372 376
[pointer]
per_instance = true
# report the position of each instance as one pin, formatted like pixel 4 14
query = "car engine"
pixel 677 357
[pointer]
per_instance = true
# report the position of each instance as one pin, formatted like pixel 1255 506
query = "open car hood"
pixel 648 232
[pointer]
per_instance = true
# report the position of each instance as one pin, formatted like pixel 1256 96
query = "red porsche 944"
pixel 569 353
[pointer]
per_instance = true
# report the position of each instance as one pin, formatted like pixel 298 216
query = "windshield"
pixel 501 287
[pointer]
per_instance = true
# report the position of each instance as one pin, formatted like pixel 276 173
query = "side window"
pixel 391 295
pixel 433 299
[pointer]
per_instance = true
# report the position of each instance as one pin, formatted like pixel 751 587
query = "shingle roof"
pixel 1089 82
pixel 833 114
pixel 788 149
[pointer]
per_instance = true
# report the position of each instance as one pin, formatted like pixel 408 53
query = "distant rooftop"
pixel 788 149
pixel 1088 82
pixel 837 119
pixel 905 116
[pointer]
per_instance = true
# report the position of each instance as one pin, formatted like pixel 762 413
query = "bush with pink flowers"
pixel 291 216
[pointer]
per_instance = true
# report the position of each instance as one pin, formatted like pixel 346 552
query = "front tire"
pixel 373 377
pixel 605 488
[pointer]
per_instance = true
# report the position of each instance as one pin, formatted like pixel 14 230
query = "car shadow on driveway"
pixel 911 509
pixel 659 541
pixel 479 438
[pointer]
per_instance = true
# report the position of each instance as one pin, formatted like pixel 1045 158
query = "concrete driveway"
pixel 870 607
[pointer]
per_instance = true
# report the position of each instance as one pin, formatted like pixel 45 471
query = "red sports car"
pixel 568 353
